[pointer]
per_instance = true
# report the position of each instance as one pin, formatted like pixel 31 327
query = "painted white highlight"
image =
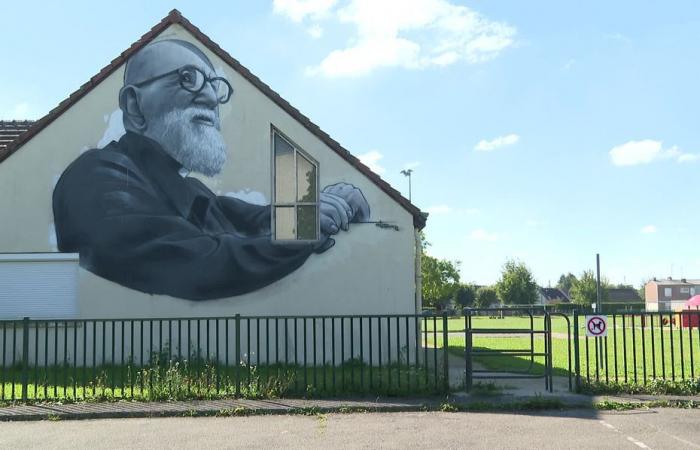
pixel 53 240
pixel 649 229
pixel 115 129
pixel 409 34
pixel 500 141
pixel 249 196
pixel 634 153
pixel 371 160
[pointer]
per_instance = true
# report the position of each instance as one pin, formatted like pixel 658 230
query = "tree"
pixel 566 281
pixel 439 276
pixel 485 297
pixel 464 295
pixel 516 286
pixel 584 291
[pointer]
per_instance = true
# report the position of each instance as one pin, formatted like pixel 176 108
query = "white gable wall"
pixel 368 271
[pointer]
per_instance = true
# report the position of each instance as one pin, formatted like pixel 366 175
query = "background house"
pixel 549 296
pixel 669 294
pixel 623 299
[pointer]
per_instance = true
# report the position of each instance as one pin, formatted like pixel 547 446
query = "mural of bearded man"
pixel 137 218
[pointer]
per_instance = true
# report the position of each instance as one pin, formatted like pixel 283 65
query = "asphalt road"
pixel 656 428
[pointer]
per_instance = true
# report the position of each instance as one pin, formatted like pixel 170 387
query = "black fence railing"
pixel 275 356
pixel 214 357
pixel 640 347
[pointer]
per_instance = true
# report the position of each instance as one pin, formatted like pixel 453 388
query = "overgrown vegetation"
pixel 201 379
pixel 652 387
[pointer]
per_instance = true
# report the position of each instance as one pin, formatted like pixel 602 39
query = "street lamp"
pixel 407 173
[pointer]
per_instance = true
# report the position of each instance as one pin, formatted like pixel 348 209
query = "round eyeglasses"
pixel 193 79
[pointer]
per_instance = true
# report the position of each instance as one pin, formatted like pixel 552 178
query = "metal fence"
pixel 212 357
pixel 248 356
pixel 640 347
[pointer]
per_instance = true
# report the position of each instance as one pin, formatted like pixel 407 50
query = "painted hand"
pixel 335 213
pixel 353 197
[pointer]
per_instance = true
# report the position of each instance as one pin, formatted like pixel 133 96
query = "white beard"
pixel 197 146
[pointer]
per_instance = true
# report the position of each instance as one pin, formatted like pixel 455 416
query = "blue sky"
pixel 544 131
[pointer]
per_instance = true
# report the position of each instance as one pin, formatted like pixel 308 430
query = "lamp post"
pixel 407 173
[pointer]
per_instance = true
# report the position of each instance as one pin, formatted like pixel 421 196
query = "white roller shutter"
pixel 38 285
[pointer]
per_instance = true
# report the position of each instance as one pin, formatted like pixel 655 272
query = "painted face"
pixel 185 123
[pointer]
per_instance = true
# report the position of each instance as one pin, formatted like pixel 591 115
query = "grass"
pixel 652 387
pixel 457 324
pixel 630 354
pixel 180 380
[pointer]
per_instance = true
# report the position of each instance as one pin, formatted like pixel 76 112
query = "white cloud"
pixel 648 229
pixel 635 153
pixel 298 10
pixel 411 34
pixel 483 235
pixel 371 160
pixel 315 31
pixel 501 141
pixel 688 157
pixel 438 209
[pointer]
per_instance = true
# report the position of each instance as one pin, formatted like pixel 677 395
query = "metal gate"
pixel 532 352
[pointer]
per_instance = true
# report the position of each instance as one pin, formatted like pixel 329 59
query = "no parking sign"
pixel 596 326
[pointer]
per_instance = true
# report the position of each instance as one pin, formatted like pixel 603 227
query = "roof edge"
pixel 175 17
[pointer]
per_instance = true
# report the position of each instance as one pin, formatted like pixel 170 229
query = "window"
pixel 685 290
pixel 295 192
pixel 667 292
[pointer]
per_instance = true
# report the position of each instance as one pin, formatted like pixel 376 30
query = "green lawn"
pixel 456 324
pixel 627 358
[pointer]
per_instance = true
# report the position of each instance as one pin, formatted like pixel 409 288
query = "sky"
pixel 541 131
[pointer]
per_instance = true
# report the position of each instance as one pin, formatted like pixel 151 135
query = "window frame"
pixel 274 204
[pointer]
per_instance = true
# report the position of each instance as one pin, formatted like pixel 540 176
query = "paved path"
pixel 655 428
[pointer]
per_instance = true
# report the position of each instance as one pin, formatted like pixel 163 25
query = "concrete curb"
pixel 245 407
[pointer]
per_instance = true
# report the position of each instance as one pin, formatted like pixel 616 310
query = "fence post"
pixel 237 362
pixel 468 351
pixel 577 364
pixel 446 362
pixel 25 356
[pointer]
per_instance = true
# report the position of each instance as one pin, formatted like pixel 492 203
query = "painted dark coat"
pixel 136 221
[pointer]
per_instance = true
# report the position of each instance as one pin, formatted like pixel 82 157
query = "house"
pixel 549 296
pixel 623 298
pixel 669 294
pixel 10 130
pixel 123 201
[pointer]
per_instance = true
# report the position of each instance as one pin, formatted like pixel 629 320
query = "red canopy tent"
pixel 691 319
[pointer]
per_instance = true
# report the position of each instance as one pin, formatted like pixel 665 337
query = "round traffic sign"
pixel 596 326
